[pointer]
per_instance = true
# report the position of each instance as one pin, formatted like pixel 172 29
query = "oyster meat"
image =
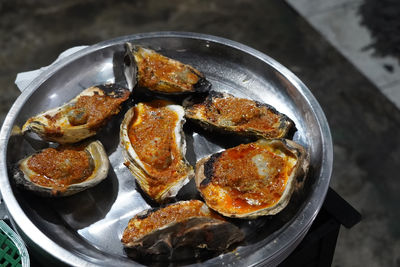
pixel 80 118
pixel 253 179
pixel 226 113
pixel 63 171
pixel 154 148
pixel 161 74
pixel 179 231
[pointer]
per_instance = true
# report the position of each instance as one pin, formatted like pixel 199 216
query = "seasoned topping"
pixel 156 70
pixel 248 168
pixel 61 167
pixel 243 113
pixel 239 115
pixel 139 226
pixel 248 177
pixel 79 118
pixel 63 171
pixel 92 110
pixel 152 135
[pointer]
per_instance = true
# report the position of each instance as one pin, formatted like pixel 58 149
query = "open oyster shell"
pixel 179 231
pixel 226 113
pixel 253 179
pixel 154 148
pixel 81 117
pixel 161 74
pixel 63 171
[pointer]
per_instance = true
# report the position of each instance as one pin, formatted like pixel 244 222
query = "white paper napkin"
pixel 23 79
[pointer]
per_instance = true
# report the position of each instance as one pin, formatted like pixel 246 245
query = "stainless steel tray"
pixel 86 228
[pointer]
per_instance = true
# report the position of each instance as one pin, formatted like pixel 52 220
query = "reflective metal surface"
pixel 3 211
pixel 85 229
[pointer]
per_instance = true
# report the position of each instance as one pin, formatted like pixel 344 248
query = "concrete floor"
pixel 365 125
pixel 353 40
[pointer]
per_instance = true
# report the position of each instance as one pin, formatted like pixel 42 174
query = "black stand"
pixel 318 246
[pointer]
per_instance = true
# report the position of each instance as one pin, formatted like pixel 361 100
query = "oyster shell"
pixel 179 231
pixel 161 74
pixel 154 148
pixel 226 113
pixel 253 179
pixel 63 171
pixel 80 118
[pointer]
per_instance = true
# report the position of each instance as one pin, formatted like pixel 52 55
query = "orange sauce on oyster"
pixel 239 186
pixel 61 167
pixel 142 225
pixel 242 114
pixel 155 69
pixel 94 109
pixel 152 135
pixel 89 110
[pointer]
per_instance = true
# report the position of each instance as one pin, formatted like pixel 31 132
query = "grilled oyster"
pixel 63 171
pixel 161 74
pixel 252 179
pixel 154 148
pixel 226 113
pixel 80 118
pixel 179 231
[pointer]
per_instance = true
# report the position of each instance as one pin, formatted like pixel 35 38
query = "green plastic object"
pixel 12 249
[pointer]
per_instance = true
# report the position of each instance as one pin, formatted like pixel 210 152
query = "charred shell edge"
pixel 130 66
pixel 138 169
pixel 296 180
pixel 132 74
pixel 286 124
pixel 101 167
